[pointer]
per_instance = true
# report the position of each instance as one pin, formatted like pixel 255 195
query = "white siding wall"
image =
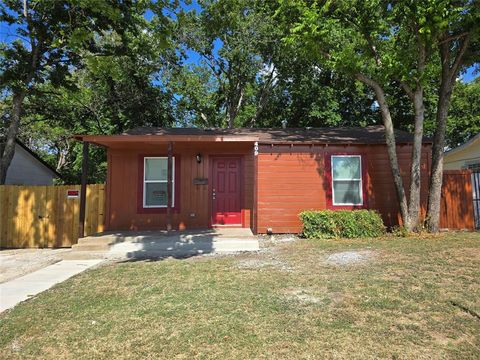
pixel 26 170
pixel 462 158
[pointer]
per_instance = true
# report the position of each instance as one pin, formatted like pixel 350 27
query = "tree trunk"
pixel 436 173
pixel 9 148
pixel 391 145
pixel 415 170
pixel 449 74
pixel 234 106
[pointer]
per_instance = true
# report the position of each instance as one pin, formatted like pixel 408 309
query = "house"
pixel 27 168
pixel 466 156
pixel 257 178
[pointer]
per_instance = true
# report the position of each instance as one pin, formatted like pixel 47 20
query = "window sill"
pixel 156 210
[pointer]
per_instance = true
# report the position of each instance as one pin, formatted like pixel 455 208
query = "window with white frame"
pixel 347 180
pixel 155 177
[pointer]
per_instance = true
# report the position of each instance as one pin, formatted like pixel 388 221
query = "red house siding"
pixel 193 209
pixel 293 178
pixel 284 180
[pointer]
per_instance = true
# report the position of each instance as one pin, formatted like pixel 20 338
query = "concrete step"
pixel 90 247
pixel 95 240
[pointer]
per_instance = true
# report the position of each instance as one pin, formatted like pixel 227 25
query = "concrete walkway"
pixel 15 263
pixel 20 289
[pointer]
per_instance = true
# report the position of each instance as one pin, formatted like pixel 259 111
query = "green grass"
pixel 415 298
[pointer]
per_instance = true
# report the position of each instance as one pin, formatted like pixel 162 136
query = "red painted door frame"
pixel 212 215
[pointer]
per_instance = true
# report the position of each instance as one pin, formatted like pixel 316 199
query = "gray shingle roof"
pixel 341 135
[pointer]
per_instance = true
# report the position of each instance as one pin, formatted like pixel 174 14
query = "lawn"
pixel 403 298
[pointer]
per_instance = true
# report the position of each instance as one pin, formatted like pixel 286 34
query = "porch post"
pixel 83 190
pixel 169 185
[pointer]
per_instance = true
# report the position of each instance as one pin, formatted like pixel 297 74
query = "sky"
pixel 470 75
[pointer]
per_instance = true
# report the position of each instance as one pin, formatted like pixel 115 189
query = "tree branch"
pixel 459 58
pixel 453 37
pixel 408 90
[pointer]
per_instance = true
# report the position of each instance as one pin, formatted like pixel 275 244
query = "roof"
pixel 464 146
pixel 342 135
pixel 38 158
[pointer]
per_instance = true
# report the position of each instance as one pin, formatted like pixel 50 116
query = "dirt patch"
pixel 350 257
pixel 258 263
pixel 19 262
pixel 302 296
pixel 277 239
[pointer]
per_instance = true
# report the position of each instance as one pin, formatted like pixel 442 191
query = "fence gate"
pixel 476 194
pixel 456 211
pixel 47 216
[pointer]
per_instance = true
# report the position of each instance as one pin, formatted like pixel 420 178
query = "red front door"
pixel 226 191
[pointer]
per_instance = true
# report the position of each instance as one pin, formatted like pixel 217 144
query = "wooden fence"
pixel 457 200
pixel 44 216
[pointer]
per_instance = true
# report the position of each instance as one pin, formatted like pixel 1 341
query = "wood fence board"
pixel 456 211
pixel 12 216
pixel 43 216
pixel 50 212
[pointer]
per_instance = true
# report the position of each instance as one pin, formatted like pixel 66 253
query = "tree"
pixel 391 46
pixel 234 55
pixel 457 36
pixel 50 35
pixel 307 94
pixel 382 45
pixel 464 115
pixel 235 42
pixel 109 94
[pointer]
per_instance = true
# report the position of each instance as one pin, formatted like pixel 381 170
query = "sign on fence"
pixel 73 194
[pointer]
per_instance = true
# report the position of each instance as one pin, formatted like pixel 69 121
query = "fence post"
pixel 83 190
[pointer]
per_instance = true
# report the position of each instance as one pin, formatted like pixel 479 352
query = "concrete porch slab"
pixel 156 244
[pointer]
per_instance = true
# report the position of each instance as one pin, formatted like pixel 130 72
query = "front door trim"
pixel 210 188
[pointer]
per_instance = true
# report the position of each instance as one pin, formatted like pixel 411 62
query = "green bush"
pixel 342 223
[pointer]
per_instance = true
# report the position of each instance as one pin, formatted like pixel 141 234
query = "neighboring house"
pixel 27 168
pixel 257 178
pixel 466 156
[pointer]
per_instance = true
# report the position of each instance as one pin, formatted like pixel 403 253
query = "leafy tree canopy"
pixel 108 66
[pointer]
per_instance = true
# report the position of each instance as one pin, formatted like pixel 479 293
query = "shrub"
pixel 342 223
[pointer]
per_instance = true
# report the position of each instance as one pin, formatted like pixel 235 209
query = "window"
pixel 155 177
pixel 347 180
pixel 475 167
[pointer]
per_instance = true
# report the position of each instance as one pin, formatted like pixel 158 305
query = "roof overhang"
pixel 469 143
pixel 109 140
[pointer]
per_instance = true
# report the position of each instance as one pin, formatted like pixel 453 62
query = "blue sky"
pixel 470 75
